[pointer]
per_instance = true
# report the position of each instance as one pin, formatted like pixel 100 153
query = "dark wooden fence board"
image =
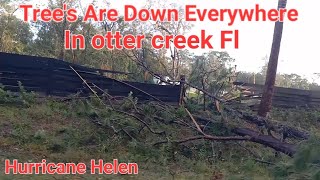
pixel 284 96
pixel 16 88
pixel 55 77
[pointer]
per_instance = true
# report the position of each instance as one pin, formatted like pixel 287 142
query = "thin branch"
pixel 250 151
pixel 264 162
pixel 195 122
pixel 205 92
pixel 214 138
pixel 113 128
pixel 107 95
pixel 139 90
pixel 94 92
pixel 211 138
pixel 140 120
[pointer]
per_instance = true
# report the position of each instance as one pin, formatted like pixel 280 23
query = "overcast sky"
pixel 300 43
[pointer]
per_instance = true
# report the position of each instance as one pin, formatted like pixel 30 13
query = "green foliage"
pixel 282 80
pixel 211 70
pixel 6 96
pixel 25 98
pixel 181 113
pixel 141 152
pixel 305 165
pixel 81 130
pixel 65 132
pixel 40 134
pixel 148 110
pixel 129 103
pixel 193 106
pixel 298 117
pixel 15 34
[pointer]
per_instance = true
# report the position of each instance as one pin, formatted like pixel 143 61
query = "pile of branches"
pixel 199 124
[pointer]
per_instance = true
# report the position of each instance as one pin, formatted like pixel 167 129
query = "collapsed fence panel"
pixel 56 77
pixel 283 96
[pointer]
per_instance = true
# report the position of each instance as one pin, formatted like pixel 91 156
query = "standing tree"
pixel 266 102
pixel 15 35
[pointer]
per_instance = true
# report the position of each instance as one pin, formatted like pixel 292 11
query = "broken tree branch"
pixel 290 132
pixel 140 120
pixel 122 82
pixel 207 137
pixel 195 122
pixel 269 141
pixel 85 82
pixel 248 135
pixel 205 92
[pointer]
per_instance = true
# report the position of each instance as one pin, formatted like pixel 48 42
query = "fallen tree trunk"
pixel 257 137
pixel 288 131
pixel 247 134
pixel 266 140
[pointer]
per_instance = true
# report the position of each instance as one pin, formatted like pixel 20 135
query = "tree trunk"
pixel 269 141
pixel 266 101
pixel 204 95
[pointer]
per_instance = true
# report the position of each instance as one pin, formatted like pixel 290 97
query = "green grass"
pixel 63 132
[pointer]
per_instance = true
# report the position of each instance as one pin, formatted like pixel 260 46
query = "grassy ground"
pixel 63 132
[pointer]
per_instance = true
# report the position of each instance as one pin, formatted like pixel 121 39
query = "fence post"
pixel 182 89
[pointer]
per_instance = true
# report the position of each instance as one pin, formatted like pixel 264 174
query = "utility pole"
pixel 266 101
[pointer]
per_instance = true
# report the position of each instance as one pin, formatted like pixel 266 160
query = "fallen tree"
pixel 257 137
pixel 239 134
pixel 266 140
pixel 270 125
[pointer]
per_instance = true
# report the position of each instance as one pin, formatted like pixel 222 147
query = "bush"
pixel 305 164
pixel 25 98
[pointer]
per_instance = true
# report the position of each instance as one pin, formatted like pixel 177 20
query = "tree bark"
pixel 266 101
pixel 269 141
pixel 204 95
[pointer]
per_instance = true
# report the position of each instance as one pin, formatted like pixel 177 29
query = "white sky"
pixel 300 42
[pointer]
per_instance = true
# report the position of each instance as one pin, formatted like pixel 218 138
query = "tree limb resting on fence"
pixel 249 135
pixel 85 82
pixel 205 92
pixel 139 90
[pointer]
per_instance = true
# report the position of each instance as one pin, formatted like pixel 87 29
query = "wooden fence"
pixel 57 78
pixel 286 97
